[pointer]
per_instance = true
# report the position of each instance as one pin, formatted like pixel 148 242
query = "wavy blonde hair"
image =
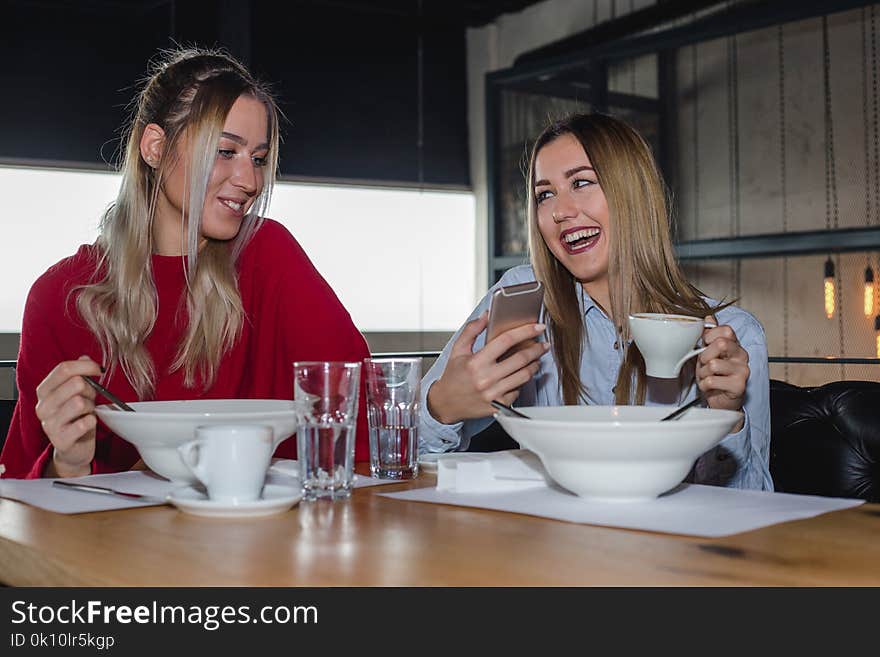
pixel 188 93
pixel 643 273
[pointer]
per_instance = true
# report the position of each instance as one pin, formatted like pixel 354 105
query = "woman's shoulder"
pixel 274 256
pixel 518 274
pixel 271 228
pixel 272 238
pixel 77 269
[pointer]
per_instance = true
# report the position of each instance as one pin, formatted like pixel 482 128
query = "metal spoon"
pixel 109 395
pixel 509 410
pixel 674 414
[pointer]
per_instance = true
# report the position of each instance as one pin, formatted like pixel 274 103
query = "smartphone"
pixel 512 306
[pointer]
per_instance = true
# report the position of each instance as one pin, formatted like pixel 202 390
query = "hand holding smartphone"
pixel 512 306
pixel 473 379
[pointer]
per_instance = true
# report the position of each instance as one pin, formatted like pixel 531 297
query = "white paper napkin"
pixel 688 509
pixel 506 471
pixel 41 492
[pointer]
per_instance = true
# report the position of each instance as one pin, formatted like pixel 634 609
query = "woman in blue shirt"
pixel 599 242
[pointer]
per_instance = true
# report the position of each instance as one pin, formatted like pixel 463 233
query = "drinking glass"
pixel 328 394
pixel 393 415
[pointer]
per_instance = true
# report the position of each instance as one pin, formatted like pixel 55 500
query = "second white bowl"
pixel 618 452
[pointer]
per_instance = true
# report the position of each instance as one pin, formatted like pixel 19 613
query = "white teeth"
pixel 580 234
pixel 232 204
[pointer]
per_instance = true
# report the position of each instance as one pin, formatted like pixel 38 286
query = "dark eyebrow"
pixel 568 174
pixel 235 138
pixel 243 141
pixel 571 172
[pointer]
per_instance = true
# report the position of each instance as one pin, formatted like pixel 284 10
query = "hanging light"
pixel 877 331
pixel 869 291
pixel 829 288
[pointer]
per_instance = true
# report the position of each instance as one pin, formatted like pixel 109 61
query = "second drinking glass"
pixel 393 415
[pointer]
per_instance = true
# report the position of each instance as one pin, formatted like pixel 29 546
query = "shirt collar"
pixel 585 301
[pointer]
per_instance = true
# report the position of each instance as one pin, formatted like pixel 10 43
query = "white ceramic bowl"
pixel 158 428
pixel 618 452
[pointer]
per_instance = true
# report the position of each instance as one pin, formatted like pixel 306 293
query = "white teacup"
pixel 666 341
pixel 230 460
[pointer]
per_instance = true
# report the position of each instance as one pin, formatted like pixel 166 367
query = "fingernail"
pixel 546 346
pixel 540 327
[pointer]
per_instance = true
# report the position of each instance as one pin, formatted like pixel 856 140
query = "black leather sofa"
pixel 824 440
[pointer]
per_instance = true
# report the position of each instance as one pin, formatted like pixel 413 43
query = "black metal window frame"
pixel 537 73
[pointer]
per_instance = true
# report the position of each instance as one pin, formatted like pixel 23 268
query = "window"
pixel 399 260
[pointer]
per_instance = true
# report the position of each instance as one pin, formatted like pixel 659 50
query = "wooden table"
pixel 370 540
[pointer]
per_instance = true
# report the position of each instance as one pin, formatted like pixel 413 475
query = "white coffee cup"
pixel 230 460
pixel 666 341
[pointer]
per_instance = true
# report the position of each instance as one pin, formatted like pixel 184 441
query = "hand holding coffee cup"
pixel 667 341
pixel 723 370
pixel 230 460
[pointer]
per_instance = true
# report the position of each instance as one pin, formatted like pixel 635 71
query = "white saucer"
pixel 276 499
pixel 286 467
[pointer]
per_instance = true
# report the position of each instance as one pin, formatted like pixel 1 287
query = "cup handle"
pixel 190 454
pixel 688 356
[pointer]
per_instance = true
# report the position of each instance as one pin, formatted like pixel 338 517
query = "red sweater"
pixel 291 314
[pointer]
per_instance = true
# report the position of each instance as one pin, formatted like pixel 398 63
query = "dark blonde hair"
pixel 643 272
pixel 188 93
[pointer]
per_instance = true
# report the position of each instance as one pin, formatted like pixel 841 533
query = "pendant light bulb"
pixel 829 288
pixel 869 291
pixel 877 332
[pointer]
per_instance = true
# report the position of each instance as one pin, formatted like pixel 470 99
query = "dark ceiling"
pixel 373 90
pixel 470 13
pixel 473 13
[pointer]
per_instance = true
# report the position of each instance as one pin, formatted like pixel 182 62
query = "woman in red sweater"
pixel 187 293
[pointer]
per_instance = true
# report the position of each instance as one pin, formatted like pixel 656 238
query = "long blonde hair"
pixel 188 94
pixel 643 272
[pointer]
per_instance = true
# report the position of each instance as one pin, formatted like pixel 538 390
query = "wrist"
pixel 436 403
pixel 59 468
pixel 741 422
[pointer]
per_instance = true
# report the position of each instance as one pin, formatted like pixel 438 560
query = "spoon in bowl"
pixel 504 408
pixel 677 412
pixel 109 395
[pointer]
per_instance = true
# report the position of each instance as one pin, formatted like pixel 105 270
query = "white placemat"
pixel 41 493
pixel 690 509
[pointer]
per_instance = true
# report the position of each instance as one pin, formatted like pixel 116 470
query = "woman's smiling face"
pixel 236 180
pixel 572 210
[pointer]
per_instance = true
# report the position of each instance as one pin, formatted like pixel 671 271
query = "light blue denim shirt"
pixel 741 460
